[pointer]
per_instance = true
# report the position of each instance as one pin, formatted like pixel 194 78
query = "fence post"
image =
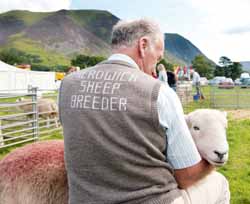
pixel 35 124
pixel 212 98
pixel 1 137
pixel 237 90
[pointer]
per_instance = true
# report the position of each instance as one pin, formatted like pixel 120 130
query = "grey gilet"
pixel 114 144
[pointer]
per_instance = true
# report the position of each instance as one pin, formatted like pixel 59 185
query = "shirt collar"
pixel 123 57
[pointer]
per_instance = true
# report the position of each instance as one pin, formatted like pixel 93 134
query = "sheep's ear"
pixel 187 121
pixel 19 99
pixel 225 114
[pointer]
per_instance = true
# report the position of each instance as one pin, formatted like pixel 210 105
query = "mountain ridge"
pixel 66 33
pixel 245 66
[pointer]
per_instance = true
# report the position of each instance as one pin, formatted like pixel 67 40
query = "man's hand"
pixel 188 176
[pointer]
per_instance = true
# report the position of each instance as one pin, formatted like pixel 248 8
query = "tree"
pixel 225 61
pixel 84 61
pixel 228 68
pixel 37 67
pixel 236 70
pixel 167 65
pixel 219 71
pixel 203 66
pixel 14 56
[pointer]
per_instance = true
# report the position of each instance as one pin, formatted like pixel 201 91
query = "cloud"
pixel 238 30
pixel 34 5
pixel 221 29
pixel 216 27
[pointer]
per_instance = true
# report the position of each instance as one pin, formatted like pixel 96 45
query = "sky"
pixel 217 27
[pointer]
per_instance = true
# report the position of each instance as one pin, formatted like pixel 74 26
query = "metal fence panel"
pixel 18 125
pixel 216 97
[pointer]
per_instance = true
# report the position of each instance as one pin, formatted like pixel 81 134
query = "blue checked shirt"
pixel 181 150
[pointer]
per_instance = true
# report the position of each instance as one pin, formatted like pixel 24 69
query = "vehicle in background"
pixel 244 75
pixel 216 80
pixel 237 82
pixel 203 81
pixel 226 84
pixel 245 82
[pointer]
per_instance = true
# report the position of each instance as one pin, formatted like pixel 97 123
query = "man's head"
pixel 142 40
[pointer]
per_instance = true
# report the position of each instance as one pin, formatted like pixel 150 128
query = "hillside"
pixel 58 36
pixel 246 66
pixel 181 48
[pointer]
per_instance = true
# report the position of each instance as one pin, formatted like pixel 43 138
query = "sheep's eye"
pixel 196 128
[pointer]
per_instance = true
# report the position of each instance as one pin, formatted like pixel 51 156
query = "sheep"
pixel 46 107
pixel 36 173
pixel 208 129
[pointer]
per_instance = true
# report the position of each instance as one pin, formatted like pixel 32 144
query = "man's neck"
pixel 132 52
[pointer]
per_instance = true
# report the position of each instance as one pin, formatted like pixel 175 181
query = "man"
pixel 196 82
pixel 126 140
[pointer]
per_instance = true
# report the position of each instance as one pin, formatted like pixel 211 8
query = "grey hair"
pixel 125 33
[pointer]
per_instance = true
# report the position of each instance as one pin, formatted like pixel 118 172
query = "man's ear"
pixel 143 45
pixel 188 121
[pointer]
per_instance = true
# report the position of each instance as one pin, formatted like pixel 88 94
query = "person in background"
pixel 197 84
pixel 180 74
pixel 172 79
pixel 162 74
pixel 73 69
pixel 125 136
pixel 167 76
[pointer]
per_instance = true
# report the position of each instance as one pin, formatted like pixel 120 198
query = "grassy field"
pixel 237 170
pixel 48 57
pixel 221 99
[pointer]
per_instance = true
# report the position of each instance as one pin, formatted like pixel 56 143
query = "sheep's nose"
pixel 220 154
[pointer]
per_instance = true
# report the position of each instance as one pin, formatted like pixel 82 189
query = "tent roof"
pixel 7 67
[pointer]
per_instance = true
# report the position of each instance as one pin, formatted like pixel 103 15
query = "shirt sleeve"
pixel 181 149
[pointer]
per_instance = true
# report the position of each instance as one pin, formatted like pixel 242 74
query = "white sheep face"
pixel 208 129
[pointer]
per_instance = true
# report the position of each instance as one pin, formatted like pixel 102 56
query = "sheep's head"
pixel 208 129
pixel 20 99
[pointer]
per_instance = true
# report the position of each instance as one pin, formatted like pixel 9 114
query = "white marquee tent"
pixel 14 79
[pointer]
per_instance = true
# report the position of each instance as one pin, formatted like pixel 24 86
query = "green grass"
pixel 237 170
pixel 54 135
pixel 220 99
pixel 49 58
pixel 29 18
pixel 97 21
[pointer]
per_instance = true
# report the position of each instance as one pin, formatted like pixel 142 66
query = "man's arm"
pixel 182 153
pixel 190 175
